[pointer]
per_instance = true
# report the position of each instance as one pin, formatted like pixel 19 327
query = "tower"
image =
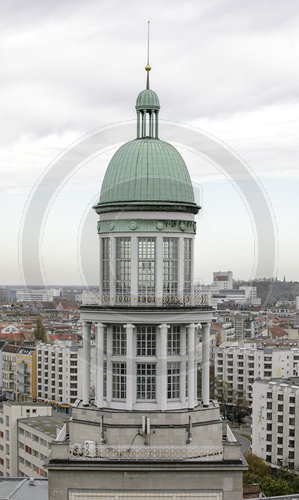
pixel 146 434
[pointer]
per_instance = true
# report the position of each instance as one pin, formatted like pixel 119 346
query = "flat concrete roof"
pixel 16 403
pixel 19 488
pixel 46 424
pixel 291 381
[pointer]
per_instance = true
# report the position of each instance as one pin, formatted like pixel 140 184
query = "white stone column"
pixel 159 270
pixel 86 326
pixel 162 368
pixel 134 270
pixel 181 268
pixel 192 271
pixel 109 363
pixel 99 365
pixel 112 268
pixel 205 364
pixel 191 358
pixel 183 366
pixel 100 269
pixel 130 367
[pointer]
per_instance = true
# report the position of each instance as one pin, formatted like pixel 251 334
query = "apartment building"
pixel 18 372
pixel 2 344
pixel 275 422
pixel 35 435
pixel 241 365
pixel 26 374
pixel 58 372
pixel 9 371
pixel 9 418
pixel 244 326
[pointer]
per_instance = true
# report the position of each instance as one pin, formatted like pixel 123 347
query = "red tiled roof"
pixel 277 331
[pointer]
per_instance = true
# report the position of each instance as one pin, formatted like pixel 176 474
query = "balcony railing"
pixel 94 452
pixel 165 301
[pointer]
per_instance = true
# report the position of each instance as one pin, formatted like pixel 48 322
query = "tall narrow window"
pixel 187 357
pixel 123 269
pixel 105 266
pixel 105 340
pixel 119 380
pixel 170 269
pixel 146 269
pixel 146 340
pixel 119 341
pixel 105 379
pixel 187 379
pixel 187 268
pixel 173 341
pixel 173 380
pixel 146 381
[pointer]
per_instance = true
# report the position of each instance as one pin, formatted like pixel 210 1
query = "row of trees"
pixel 40 330
pixel 273 482
pixel 233 403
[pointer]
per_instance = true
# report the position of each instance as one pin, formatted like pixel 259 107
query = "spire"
pixel 147 105
pixel 148 67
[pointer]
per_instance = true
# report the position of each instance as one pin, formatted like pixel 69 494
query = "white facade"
pixel 275 422
pixel 42 295
pixel 240 366
pixel 223 280
pixel 250 292
pixel 9 443
pixel 58 372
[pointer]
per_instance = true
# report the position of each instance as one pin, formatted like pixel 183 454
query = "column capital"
pixel 129 325
pixel 97 323
pixel 164 325
pixel 205 328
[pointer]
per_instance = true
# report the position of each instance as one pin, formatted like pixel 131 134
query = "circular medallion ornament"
pixel 182 226
pixel 111 226
pixel 133 226
pixel 159 225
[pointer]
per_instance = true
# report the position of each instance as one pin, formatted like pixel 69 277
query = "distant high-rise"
pixel 223 280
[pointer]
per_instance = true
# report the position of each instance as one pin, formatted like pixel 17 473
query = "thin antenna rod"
pixel 148 40
pixel 148 67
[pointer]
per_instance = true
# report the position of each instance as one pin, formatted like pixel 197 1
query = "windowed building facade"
pixel 275 422
pixel 146 413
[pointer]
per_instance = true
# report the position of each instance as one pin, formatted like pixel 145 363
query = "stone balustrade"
pixel 92 451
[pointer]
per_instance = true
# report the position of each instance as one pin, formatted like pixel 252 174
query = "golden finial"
pixel 148 67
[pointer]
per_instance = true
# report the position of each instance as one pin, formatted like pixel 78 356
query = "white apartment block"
pixel 42 295
pixel 240 366
pixel 58 372
pixel 9 417
pixel 223 280
pixel 275 422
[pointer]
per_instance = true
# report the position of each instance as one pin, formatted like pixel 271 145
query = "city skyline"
pixel 234 78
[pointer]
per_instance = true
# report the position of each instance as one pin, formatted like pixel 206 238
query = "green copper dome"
pixel 148 99
pixel 147 174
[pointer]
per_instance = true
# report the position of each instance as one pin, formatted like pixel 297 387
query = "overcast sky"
pixel 229 68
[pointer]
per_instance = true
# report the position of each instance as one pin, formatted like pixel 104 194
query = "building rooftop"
pixel 17 403
pixel 286 381
pixel 19 488
pixel 46 424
